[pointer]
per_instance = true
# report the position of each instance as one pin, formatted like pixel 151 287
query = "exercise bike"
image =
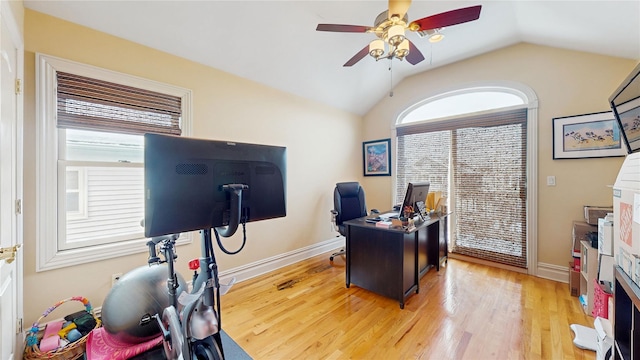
pixel 191 324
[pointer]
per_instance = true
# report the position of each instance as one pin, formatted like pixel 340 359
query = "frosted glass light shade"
pixel 376 48
pixel 395 35
pixel 402 50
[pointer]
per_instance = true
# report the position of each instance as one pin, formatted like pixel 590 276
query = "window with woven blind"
pixel 92 104
pixel 490 203
pixel 91 127
pixel 423 156
pixel 479 163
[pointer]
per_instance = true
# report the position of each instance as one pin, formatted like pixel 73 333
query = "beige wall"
pixel 566 83
pixel 230 108
pixel 225 107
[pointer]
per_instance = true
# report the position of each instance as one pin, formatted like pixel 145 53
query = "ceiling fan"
pixel 390 28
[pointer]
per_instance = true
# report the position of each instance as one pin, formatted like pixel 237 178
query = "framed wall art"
pixel 377 157
pixel 587 136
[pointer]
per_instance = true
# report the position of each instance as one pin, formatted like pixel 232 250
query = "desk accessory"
pixel 384 224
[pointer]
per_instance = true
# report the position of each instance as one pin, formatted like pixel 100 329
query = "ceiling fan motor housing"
pixel 383 24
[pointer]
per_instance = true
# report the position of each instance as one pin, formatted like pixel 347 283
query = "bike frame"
pixel 193 316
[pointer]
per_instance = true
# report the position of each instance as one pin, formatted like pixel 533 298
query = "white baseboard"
pixel 553 272
pixel 264 266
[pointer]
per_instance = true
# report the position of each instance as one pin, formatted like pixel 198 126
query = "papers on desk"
pixel 383 224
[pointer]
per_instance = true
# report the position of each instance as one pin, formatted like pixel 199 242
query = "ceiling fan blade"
pixel 448 18
pixel 415 56
pixel 357 57
pixel 342 28
pixel 398 8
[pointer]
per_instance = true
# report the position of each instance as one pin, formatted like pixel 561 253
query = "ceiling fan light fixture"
pixel 376 48
pixel 395 35
pixel 435 35
pixel 390 27
pixel 402 50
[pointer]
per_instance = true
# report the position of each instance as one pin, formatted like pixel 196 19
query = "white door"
pixel 10 192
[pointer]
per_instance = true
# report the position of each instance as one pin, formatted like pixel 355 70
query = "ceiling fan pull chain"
pixel 391 77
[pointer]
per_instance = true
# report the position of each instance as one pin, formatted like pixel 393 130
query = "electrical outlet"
pixel 115 277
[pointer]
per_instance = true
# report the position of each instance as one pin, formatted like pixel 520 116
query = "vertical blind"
pixel 91 104
pixel 480 163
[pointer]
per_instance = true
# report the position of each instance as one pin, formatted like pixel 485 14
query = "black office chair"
pixel 348 203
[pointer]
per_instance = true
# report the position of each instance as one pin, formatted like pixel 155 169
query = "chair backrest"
pixel 348 202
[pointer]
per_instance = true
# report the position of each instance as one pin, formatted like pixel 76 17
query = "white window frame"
pixel 48 254
pixel 530 100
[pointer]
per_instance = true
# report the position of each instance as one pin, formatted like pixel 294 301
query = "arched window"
pixel 472 145
pixel 462 102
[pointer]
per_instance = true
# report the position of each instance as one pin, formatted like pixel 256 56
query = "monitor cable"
pixel 244 240
pixel 235 217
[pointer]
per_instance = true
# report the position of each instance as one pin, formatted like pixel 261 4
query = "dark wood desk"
pixel 391 261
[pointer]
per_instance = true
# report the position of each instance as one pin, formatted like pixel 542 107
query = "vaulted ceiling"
pixel 276 43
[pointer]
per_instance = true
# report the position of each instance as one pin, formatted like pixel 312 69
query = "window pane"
pixel 73 180
pixel 73 202
pixel 115 206
pixel 462 104
pixel 84 145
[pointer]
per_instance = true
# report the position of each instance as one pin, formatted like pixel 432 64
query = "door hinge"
pixel 19 206
pixel 19 328
pixel 18 86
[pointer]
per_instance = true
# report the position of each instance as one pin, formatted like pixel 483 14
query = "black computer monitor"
pixel 416 197
pixel 185 182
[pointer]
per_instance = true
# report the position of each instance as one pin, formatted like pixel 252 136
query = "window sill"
pixel 51 258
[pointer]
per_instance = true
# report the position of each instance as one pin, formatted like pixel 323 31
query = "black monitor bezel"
pixel 410 194
pixel 621 103
pixel 199 200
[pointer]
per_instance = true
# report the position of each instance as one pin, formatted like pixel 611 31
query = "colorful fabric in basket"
pixel 32 339
pixel 103 346
pixel 73 350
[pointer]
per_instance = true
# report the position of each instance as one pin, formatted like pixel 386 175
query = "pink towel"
pixel 103 346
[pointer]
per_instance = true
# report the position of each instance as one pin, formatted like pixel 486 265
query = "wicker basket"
pixel 72 351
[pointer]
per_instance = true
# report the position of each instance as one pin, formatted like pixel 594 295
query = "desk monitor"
pixel 184 180
pixel 416 196
pixel 625 104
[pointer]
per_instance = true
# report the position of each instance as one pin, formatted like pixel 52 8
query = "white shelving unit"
pixel 588 273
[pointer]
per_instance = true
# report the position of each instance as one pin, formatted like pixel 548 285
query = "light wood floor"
pixel 464 311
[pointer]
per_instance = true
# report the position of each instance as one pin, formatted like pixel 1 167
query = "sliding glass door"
pixel 479 164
